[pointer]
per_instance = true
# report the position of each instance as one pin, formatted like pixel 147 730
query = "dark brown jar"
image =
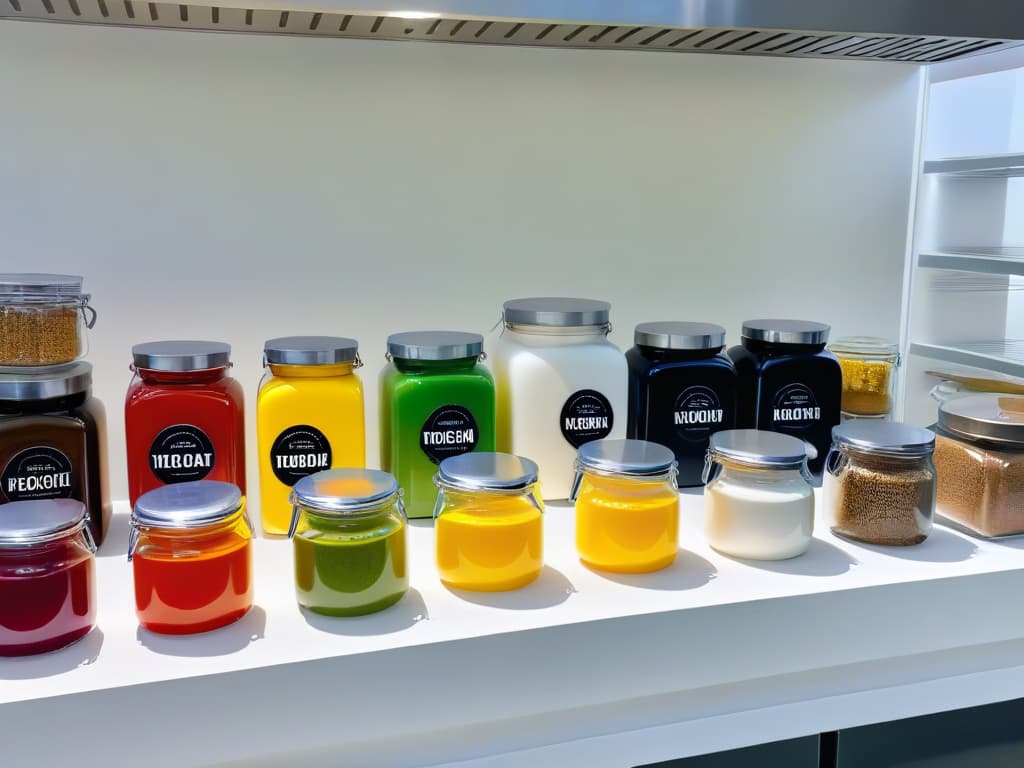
pixel 53 441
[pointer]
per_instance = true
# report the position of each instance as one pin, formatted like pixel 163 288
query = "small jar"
pixel 979 459
pixel 879 484
pixel 47 575
pixel 43 319
pixel 489 531
pixel 869 375
pixel 348 528
pixel 758 502
pixel 191 553
pixel 627 506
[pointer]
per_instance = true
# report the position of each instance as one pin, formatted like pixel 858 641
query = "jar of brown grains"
pixel 879 482
pixel 43 319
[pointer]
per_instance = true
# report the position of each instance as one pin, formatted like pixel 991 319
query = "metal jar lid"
pixel 758 448
pixel 435 345
pixel 984 417
pixel 556 312
pixel 887 438
pixel 194 504
pixel 674 335
pixel 29 287
pixel 310 350
pixel 181 356
pixel 786 331
pixel 638 458
pixel 51 382
pixel 485 471
pixel 34 521
pixel 343 491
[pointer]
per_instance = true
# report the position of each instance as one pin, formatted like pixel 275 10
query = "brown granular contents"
pixel 45 335
pixel 883 501
pixel 980 488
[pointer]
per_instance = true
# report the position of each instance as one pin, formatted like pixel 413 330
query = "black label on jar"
pixel 795 406
pixel 299 451
pixel 697 413
pixel 449 431
pixel 181 453
pixel 587 415
pixel 37 473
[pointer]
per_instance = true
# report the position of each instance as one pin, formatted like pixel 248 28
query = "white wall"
pixel 238 188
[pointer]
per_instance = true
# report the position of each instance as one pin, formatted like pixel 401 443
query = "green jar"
pixel 348 532
pixel 436 401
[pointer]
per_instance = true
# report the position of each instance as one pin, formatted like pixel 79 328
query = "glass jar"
pixel 789 382
pixel 488 520
pixel 869 375
pixel 560 382
pixel 191 553
pixel 348 528
pixel 183 416
pixel 758 501
pixel 43 319
pixel 682 389
pixel 979 458
pixel 309 417
pixel 879 484
pixel 627 506
pixel 436 401
pixel 53 441
pixel 47 575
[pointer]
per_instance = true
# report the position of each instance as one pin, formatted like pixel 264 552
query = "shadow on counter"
pixel 217 642
pixel 688 571
pixel 402 615
pixel 550 589
pixel 76 655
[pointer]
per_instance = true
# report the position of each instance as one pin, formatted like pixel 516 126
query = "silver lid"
pixel 195 504
pixel 181 356
pixel 487 472
pixel 786 331
pixel 342 491
pixel 37 520
pixel 39 287
pixel 53 381
pixel 310 350
pixel 889 438
pixel 625 457
pixel 556 312
pixel 758 448
pixel 984 417
pixel 435 345
pixel 673 335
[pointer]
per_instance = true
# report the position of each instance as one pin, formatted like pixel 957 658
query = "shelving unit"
pixel 1004 356
pixel 990 261
pixel 981 166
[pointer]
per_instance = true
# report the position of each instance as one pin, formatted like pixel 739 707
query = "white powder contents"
pixel 759 521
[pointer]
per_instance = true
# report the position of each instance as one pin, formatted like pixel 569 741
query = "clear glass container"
pixel 488 521
pixel 869 375
pixel 758 499
pixel 879 483
pixel 43 319
pixel 348 529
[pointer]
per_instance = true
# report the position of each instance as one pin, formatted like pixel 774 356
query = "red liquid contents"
pixel 46 597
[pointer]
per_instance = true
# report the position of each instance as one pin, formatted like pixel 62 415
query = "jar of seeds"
pixel 43 319
pixel 879 482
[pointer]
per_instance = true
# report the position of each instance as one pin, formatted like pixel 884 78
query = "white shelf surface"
pixel 579 668
pixel 991 261
pixel 983 166
pixel 1002 356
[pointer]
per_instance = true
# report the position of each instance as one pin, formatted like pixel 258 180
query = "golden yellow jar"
pixel 869 375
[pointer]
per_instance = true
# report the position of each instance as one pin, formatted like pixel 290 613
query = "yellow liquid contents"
pixel 327 399
pixel 626 525
pixel 866 386
pixel 489 542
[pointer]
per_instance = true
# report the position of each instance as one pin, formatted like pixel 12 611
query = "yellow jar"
pixel 309 417
pixel 627 506
pixel 869 375
pixel 488 520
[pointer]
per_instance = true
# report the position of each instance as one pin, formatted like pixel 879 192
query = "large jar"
pixel 183 416
pixel 309 417
pixel 43 319
pixel 627 506
pixel 349 542
pixel 47 575
pixel 490 535
pixel 682 389
pixel 53 441
pixel 979 458
pixel 869 375
pixel 436 401
pixel 879 484
pixel 758 502
pixel 561 383
pixel 191 554
pixel 789 382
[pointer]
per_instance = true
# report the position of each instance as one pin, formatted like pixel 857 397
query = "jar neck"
pixel 227 525
pixel 435 366
pixel 580 332
pixel 311 371
pixel 204 376
pixel 884 461
pixel 743 473
pixel 777 349
pixel 659 354
pixel 40 407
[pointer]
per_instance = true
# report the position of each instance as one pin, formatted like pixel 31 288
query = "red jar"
pixel 183 416
pixel 47 572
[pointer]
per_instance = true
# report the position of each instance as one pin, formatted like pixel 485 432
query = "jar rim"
pixel 39 521
pixel 187 506
pixel 321 491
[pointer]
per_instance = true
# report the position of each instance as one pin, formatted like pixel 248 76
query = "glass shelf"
pixel 980 166
pixel 992 261
pixel 1003 356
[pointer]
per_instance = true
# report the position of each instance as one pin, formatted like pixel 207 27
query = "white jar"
pixel 758 501
pixel 560 383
